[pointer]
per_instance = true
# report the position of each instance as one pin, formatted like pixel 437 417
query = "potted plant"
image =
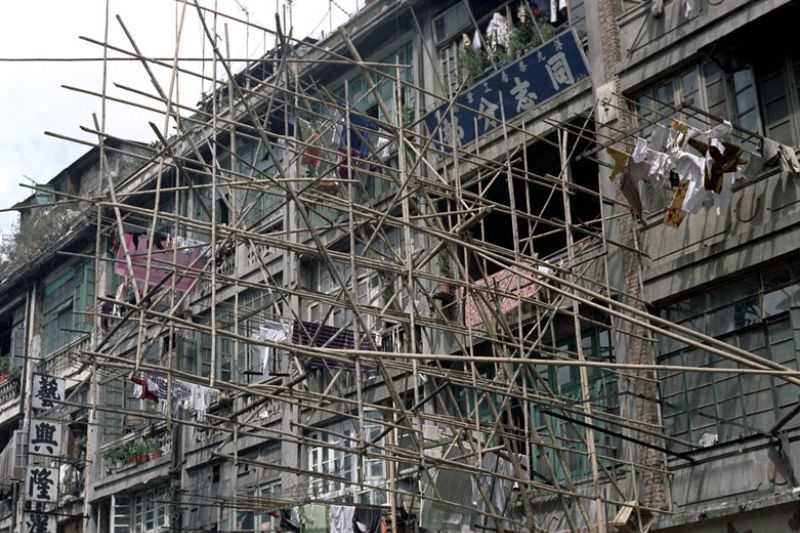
pixel 5 364
pixel 141 452
pixel 445 292
pixel 154 452
pixel 472 63
pixel 115 455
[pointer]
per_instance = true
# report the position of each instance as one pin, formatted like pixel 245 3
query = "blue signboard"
pixel 535 78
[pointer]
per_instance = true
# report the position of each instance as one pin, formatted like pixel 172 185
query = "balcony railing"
pixel 9 390
pixel 516 88
pixel 66 359
pixel 136 449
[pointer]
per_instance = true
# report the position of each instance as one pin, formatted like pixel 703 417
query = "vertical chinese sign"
pixel 44 443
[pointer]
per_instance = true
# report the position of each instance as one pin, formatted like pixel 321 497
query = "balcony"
pixel 66 361
pixel 138 453
pixel 9 399
pixel 515 87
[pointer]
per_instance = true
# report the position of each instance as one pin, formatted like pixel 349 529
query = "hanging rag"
pixel 140 390
pixel 690 168
pixel 719 133
pixel 558 10
pixel 361 137
pixel 677 135
pixel 497 33
pixel 342 518
pixel 290 520
pixel 723 200
pixel 775 153
pixel 658 162
pixel 657 8
pixel 629 185
pixel 789 158
pixel 476 40
pixel 718 161
pixel 675 214
pixel 271 331
pixel 620 160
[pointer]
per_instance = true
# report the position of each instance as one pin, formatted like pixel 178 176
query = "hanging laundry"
pixel 121 295
pixel 497 33
pixel 290 520
pixel 789 156
pixel 342 518
pixel 657 8
pixel 271 331
pixel 344 167
pixel 312 153
pixel 494 487
pixel 477 44
pixel 182 258
pixel 688 8
pixel 719 133
pixel 314 518
pixel 691 169
pixel 201 398
pixel 775 153
pixel 719 162
pixel 658 163
pixel 620 159
pixel 141 391
pixel 361 138
pixel 558 11
pixel 723 199
pixel 366 520
pixel 629 185
pixel 675 213
pixel 677 135
pixel 522 13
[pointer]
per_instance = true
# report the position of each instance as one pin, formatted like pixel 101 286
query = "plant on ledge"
pixel 472 63
pixel 136 452
pixel 7 371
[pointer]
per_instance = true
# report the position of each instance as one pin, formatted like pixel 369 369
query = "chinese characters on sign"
pixel 542 74
pixel 46 389
pixel 41 484
pixel 45 438
pixel 39 522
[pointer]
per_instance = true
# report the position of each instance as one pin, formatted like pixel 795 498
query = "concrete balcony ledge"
pixel 10 404
pixel 65 361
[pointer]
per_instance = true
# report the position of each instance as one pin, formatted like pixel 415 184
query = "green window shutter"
pixel 113 396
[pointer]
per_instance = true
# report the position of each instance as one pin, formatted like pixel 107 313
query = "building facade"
pixel 458 266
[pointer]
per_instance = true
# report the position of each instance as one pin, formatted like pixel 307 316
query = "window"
pixel 256 521
pixel 347 465
pixel 779 90
pixel 332 462
pixel 558 432
pixel 753 313
pixel 141 512
pixel 363 100
pixel 67 296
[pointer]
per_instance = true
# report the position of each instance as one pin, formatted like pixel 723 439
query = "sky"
pixel 33 99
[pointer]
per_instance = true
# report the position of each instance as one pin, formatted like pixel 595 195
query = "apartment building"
pixel 458 266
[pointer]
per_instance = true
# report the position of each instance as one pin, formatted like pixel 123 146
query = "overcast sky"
pixel 32 99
